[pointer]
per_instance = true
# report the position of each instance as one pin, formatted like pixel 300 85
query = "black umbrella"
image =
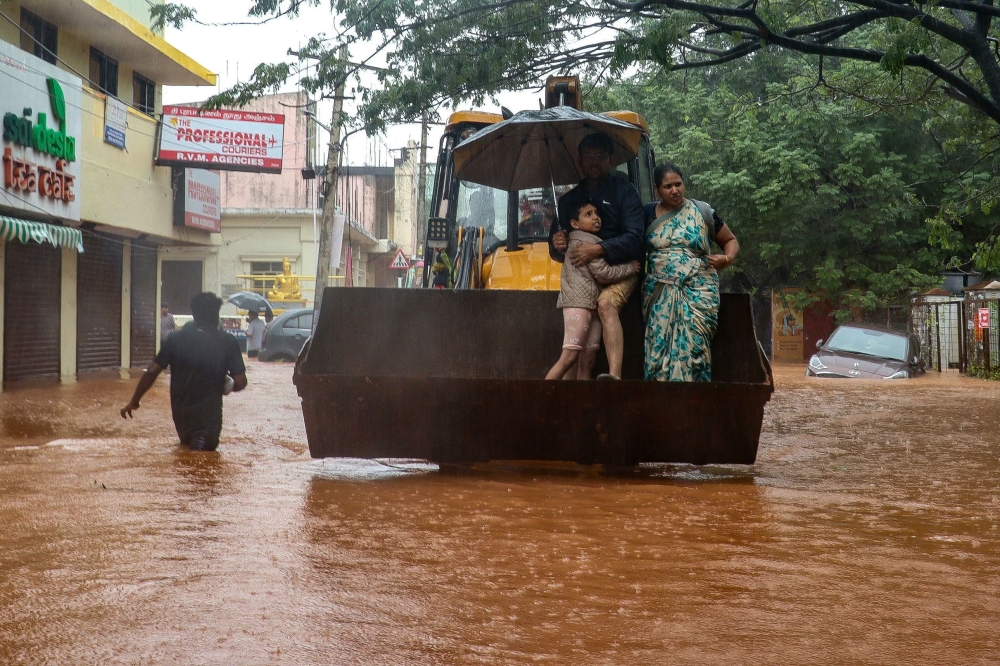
pixel 249 301
pixel 539 148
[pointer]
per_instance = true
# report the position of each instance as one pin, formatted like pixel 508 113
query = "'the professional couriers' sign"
pixel 225 140
pixel 41 109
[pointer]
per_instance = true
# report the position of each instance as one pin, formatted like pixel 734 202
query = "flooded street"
pixel 868 532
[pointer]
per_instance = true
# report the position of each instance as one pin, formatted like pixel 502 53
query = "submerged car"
pixel 856 351
pixel 284 338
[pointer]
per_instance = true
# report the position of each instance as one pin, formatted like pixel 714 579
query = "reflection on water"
pixel 866 533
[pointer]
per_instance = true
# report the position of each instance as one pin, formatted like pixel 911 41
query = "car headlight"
pixel 816 364
pixel 902 374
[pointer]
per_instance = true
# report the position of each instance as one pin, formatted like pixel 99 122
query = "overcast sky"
pixel 234 51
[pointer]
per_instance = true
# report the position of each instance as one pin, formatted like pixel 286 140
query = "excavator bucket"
pixel 455 376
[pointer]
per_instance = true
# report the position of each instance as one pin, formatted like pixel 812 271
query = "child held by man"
pixel 578 295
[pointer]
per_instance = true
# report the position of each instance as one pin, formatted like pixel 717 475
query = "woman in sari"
pixel 680 295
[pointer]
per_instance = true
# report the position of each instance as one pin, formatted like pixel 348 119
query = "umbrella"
pixel 247 300
pixel 539 148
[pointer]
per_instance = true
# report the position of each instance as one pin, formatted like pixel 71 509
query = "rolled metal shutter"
pixel 145 318
pixel 99 304
pixel 32 294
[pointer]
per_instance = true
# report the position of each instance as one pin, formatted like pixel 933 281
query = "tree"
pixel 822 193
pixel 469 49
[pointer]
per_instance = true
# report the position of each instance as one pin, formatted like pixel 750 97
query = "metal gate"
pixel 32 294
pixel 144 315
pixel 938 323
pixel 983 344
pixel 99 304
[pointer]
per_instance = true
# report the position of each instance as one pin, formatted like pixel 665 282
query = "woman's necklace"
pixel 661 209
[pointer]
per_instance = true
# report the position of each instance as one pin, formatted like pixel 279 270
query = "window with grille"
pixel 143 94
pixel 264 268
pixel 103 72
pixel 38 36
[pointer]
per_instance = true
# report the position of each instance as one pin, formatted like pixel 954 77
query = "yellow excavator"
pixel 454 374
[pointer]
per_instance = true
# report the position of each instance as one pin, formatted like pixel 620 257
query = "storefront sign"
pixel 115 121
pixel 41 109
pixel 983 318
pixel 202 200
pixel 225 140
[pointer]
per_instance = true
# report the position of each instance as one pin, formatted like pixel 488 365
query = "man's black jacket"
pixel 623 220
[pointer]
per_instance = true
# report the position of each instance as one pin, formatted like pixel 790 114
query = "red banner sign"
pixel 983 318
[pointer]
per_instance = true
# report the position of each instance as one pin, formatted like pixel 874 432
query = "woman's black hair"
pixel 662 169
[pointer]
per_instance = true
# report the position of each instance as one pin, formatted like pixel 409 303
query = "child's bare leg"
pixel 585 366
pixel 565 362
pixel 576 324
pixel 614 338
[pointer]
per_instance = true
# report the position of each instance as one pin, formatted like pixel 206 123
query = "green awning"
pixel 12 228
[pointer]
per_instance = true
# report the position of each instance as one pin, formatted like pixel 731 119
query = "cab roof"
pixel 483 118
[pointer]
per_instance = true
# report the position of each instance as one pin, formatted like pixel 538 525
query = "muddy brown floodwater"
pixel 867 533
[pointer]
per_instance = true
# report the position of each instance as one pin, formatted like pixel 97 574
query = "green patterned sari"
pixel 680 298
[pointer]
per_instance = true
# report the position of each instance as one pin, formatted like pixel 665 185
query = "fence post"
pixel 986 348
pixel 961 337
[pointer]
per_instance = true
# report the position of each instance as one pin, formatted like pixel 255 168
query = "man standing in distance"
pixel 200 358
pixel 622 236
pixel 255 334
pixel 167 324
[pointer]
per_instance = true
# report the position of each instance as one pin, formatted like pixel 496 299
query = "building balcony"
pixel 105 26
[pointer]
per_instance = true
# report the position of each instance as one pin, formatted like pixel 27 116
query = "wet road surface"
pixel 867 533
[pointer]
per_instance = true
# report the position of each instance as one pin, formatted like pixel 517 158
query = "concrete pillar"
pixel 126 355
pixel 3 254
pixel 159 294
pixel 67 318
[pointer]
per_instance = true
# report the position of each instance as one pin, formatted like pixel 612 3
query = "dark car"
pixel 856 351
pixel 284 338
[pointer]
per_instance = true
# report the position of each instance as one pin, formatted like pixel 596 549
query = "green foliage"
pixel 821 193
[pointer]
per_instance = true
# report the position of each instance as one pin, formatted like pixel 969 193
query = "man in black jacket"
pixel 622 236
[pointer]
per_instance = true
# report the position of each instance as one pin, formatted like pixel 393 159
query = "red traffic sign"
pixel 399 261
pixel 983 317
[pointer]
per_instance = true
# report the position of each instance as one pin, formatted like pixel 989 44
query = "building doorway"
pixel 181 281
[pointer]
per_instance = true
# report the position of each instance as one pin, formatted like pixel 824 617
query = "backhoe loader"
pixel 454 375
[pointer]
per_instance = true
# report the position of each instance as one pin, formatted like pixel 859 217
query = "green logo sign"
pixel 39 135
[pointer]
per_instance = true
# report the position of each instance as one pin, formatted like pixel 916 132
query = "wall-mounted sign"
pixel 983 318
pixel 115 121
pixel 225 140
pixel 787 326
pixel 202 200
pixel 41 109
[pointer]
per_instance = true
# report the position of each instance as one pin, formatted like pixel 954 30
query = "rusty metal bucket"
pixel 455 377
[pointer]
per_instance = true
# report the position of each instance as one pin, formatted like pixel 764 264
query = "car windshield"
pixel 865 341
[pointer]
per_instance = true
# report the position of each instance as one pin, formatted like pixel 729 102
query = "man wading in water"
pixel 201 359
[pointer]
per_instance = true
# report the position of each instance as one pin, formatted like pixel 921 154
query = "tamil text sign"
pixel 202 200
pixel 225 140
pixel 41 109
pixel 115 121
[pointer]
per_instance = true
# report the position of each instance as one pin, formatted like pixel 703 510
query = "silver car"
pixel 284 338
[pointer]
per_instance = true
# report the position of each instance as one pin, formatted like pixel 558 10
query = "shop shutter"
pixel 32 287
pixel 145 318
pixel 99 304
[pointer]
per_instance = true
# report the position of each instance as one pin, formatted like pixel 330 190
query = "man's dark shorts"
pixel 199 436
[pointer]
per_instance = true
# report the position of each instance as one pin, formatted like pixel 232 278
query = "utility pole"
pixel 422 182
pixel 330 189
